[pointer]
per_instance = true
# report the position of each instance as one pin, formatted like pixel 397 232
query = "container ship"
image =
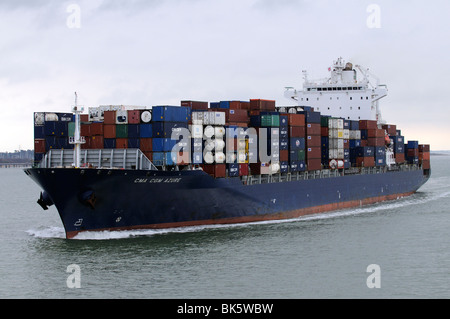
pixel 119 167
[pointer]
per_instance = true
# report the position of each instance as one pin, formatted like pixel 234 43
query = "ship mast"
pixel 77 139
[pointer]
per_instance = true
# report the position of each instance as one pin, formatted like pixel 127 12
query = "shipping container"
pixel 297 143
pixel 170 114
pixel 313 153
pixel 313 129
pixel 237 115
pixel 145 130
pixel 121 131
pixel 313 141
pixel 39 145
pixel 233 170
pixel 413 144
pixel 121 117
pixel 134 116
pixel 133 142
pixel 121 143
pixel 263 105
pixel 311 117
pixel 296 119
pixel 195 105
pixel 368 124
pixel 146 116
pixel 314 164
pixel 365 161
pixel 109 143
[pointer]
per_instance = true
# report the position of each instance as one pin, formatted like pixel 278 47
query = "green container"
pixel 324 121
pixel 270 120
pixel 121 130
pixel 301 155
pixel 71 128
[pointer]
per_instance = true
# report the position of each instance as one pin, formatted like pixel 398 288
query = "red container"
pixel 313 129
pixel 375 133
pixel 215 170
pixel 324 131
pixel 243 169
pixel 39 145
pixel 297 131
pixel 237 115
pixel 375 141
pixel 365 161
pixel 195 105
pixel 86 145
pixel 149 155
pixel 244 105
pixel 85 130
pixel 134 116
pixel 314 164
pixel 96 129
pixel 313 140
pixel 109 131
pixel 367 125
pixel 426 164
pixel 121 143
pixel 96 142
pixel 262 105
pixel 296 119
pixel 391 129
pixel 313 152
pixel 146 144
pixel 424 156
pixel 240 124
pixel 399 158
pixel 413 152
pixel 109 117
pixel 84 117
pixel 424 148
pixel 284 155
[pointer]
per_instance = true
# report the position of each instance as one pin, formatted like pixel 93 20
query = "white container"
pixel 346 134
pixel 219 157
pixel 121 117
pixel 231 157
pixel 209 131
pixel 208 157
pixel 219 131
pixel 94 114
pixel 39 118
pixel 197 118
pixel 146 116
pixel 219 118
pixel 219 144
pixel 197 131
pixel 209 145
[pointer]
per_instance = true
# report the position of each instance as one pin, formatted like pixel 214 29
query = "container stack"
pixel 312 140
pixel 398 142
pixel 297 132
pixel 168 126
pixel 424 156
pixel 354 140
pixel 412 152
pixel 336 142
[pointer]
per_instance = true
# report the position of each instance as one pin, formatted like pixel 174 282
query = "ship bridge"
pixel 342 94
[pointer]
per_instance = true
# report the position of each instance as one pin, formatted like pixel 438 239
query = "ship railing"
pixel 325 173
pixel 98 158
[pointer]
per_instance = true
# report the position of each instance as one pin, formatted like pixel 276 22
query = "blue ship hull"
pixel 104 199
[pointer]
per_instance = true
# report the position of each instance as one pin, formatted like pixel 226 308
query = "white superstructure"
pixel 343 94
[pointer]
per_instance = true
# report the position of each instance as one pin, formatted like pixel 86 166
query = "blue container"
pixel 413 144
pixel 324 141
pixel 364 135
pixel 214 105
pixel 293 166
pixel 197 158
pixel 163 144
pixel 380 161
pixel 133 130
pixel 109 143
pixel 301 166
pixel 297 143
pixel 346 124
pixel 380 151
pixel 166 129
pixel 233 170
pixel 284 132
pixel 158 158
pixel 354 143
pixel 224 104
pixel 284 143
pixel 133 142
pixel 311 117
pixel 255 121
pixel 284 167
pixel 284 122
pixel 365 151
pixel 170 114
pixel 39 132
pixel 354 125
pixel 145 131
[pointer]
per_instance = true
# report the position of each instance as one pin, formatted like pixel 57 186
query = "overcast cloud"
pixel 160 52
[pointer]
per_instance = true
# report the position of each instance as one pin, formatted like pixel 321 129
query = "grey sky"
pixel 160 52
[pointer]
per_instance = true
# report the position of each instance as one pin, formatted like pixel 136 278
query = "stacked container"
pixel 296 132
pixel 412 152
pixel 336 142
pixel 312 140
pixel 424 156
